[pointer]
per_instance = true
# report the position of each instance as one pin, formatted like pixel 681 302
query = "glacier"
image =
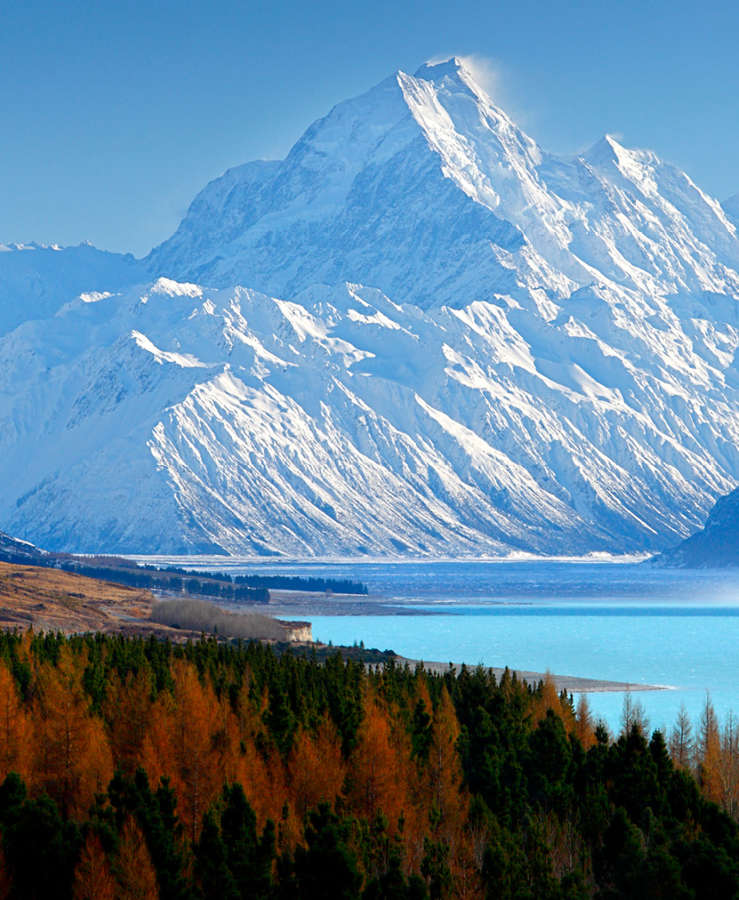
pixel 418 334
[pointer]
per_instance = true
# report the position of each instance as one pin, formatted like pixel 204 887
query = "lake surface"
pixel 615 621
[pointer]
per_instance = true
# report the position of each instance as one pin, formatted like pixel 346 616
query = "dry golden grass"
pixel 49 599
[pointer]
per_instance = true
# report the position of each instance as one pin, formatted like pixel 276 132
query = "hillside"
pixel 35 280
pixel 47 599
pixel 149 770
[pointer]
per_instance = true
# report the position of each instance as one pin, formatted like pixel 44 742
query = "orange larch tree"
pixel 379 768
pixel 128 709
pixel 316 769
pixel 93 879
pixel 135 874
pixel 72 761
pixel 15 728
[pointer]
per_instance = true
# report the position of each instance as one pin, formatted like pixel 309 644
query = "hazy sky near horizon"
pixel 113 115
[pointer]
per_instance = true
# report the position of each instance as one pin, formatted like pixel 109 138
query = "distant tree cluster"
pixel 138 768
pixel 296 583
pixel 182 582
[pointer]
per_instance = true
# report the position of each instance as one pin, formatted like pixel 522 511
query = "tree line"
pixel 150 578
pixel 238 589
pixel 147 769
pixel 315 584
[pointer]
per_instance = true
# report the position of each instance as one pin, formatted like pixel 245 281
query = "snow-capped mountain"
pixel 544 358
pixel 178 418
pixel 423 188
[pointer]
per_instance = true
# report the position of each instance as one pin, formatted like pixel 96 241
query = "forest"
pixel 206 770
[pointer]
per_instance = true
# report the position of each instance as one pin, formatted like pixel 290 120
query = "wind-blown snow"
pixel 546 360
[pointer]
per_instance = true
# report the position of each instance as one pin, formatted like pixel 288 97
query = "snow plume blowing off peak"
pixel 419 333
pixel 480 72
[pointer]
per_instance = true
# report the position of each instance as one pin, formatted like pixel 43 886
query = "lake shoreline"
pixel 573 684
pixel 310 603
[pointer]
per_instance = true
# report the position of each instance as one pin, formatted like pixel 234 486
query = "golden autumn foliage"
pixel 72 759
pixel 316 768
pixel 377 775
pixel 135 875
pixel 15 728
pixel 191 751
pixel 583 729
pixel 237 757
pixel 548 698
pixel 128 709
pixel 444 771
pixel 710 753
pixel 93 879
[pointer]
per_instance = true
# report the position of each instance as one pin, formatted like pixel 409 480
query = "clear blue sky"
pixel 114 114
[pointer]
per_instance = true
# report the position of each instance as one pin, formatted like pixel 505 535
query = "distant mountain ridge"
pixel 35 279
pixel 446 341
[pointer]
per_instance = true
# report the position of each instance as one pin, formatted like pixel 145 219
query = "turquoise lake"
pixel 617 621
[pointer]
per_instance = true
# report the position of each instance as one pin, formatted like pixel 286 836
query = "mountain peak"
pixel 434 69
pixel 368 192
pixel 606 149
pixel 545 359
pixel 454 72
pixel 609 151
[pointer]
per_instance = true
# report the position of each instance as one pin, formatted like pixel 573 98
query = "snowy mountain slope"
pixel 425 189
pixel 35 280
pixel 176 418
